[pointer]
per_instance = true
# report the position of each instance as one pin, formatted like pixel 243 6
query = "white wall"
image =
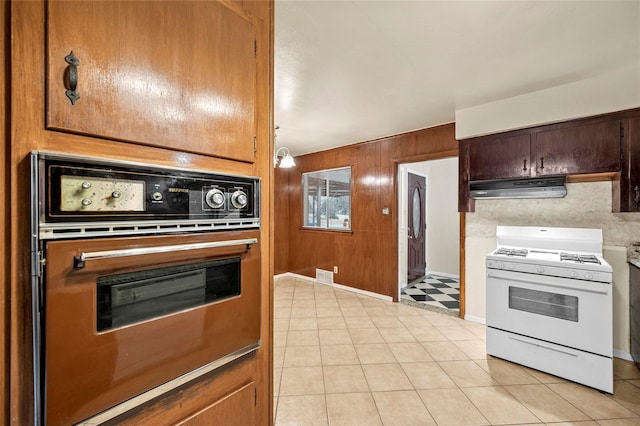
pixel 587 205
pixel 443 223
pixel 614 91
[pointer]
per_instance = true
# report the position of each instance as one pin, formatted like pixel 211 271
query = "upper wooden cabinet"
pixel 578 149
pixel 563 150
pixel 629 184
pixel 601 144
pixel 500 158
pixel 180 75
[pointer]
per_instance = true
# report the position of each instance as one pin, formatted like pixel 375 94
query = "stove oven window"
pixel 554 305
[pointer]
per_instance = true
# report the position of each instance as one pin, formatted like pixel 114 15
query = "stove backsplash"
pixel 587 205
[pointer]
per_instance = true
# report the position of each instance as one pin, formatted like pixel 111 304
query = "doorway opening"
pixel 429 235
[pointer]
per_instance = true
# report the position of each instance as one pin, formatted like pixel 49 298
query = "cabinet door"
pixel 174 74
pixel 236 409
pixel 629 185
pixel 634 311
pixel 499 158
pixel 586 148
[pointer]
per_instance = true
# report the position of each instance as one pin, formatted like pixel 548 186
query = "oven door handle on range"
pixel 79 260
pixel 554 282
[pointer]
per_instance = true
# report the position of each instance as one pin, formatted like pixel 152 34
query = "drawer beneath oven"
pixel 586 368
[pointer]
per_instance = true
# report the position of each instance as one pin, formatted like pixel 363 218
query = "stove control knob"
pixel 501 265
pixel 588 275
pixel 86 202
pixel 86 184
pixel 540 269
pixel 157 196
pixel 214 198
pixel 239 199
pixel 511 266
pixel 116 194
pixel 574 274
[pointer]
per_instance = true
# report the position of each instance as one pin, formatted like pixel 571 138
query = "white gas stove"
pixel 549 302
pixel 561 252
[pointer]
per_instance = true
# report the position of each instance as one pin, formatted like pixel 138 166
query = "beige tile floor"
pixel 345 359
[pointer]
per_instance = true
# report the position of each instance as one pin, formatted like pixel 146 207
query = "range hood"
pixel 545 187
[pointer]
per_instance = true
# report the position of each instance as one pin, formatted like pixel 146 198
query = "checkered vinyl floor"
pixel 434 290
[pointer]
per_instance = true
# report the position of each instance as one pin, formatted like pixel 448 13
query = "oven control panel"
pixel 92 194
pixel 78 189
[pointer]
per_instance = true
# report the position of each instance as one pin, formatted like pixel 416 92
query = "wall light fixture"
pixel 286 162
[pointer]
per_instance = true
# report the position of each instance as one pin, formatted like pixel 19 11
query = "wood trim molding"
pixel 463 263
pixel 5 167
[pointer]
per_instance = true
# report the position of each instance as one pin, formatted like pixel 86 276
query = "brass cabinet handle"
pixel 72 77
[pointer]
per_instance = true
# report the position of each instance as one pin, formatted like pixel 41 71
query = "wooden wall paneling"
pixel 281 220
pixel 366 257
pixel 27 133
pixel 4 214
pixel 362 267
pixel 295 218
pixel 388 224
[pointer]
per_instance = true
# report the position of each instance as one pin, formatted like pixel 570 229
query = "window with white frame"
pixel 327 199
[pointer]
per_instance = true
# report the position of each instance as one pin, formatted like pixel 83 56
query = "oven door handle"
pixel 543 282
pixel 79 260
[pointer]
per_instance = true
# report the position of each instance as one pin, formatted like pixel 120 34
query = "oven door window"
pixel 553 305
pixel 129 298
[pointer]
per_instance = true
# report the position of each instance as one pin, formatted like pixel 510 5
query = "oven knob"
pixel 86 185
pixel 540 269
pixel 116 194
pixel 239 199
pixel 574 274
pixel 86 202
pixel 214 198
pixel 501 265
pixel 511 266
pixel 588 276
pixel 156 196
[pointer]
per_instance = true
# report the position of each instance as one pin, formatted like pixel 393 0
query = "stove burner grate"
pixel 579 258
pixel 512 252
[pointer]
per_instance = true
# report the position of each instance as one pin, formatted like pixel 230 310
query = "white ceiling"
pixel 351 71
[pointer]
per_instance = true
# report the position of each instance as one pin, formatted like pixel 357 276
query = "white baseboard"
pixel 338 286
pixel 622 355
pixel 475 319
pixel 443 274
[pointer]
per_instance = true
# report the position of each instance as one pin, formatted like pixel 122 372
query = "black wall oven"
pixel 143 276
